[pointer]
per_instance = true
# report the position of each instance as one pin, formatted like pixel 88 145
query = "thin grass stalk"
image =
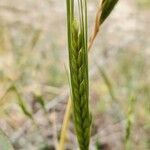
pixel 129 122
pixel 65 125
pixel 104 10
pixel 108 83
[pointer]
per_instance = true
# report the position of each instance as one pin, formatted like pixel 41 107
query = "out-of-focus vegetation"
pixel 4 142
pixel 33 80
pixel 144 3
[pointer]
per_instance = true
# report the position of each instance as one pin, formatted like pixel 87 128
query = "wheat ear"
pixel 80 89
pixel 101 15
pixel 78 60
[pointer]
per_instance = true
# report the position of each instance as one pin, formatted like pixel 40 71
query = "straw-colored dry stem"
pixel 65 125
pixel 104 9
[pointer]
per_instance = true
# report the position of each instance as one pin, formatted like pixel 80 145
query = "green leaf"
pixel 4 142
pixel 107 7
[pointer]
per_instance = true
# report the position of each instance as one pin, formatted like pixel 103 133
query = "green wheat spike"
pixel 80 88
pixel 77 45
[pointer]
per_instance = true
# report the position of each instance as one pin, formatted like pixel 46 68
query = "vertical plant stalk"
pixel 110 4
pixel 78 60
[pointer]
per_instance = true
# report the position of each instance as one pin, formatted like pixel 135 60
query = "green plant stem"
pixel 130 119
pixel 91 40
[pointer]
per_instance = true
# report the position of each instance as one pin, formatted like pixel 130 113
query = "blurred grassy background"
pixel 34 84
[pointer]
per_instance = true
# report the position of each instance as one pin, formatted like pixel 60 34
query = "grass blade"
pixel 106 9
